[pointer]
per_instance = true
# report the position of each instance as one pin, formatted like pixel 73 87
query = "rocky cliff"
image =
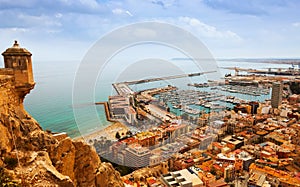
pixel 34 157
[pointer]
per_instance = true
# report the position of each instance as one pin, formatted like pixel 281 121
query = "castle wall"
pixel 8 96
pixel 21 77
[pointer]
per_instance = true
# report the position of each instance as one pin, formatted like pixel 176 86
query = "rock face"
pixel 37 158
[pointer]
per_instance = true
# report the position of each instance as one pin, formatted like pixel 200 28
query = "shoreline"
pixel 108 132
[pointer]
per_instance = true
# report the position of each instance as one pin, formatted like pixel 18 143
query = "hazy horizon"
pixel 66 30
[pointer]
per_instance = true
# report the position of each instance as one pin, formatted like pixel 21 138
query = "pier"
pixel 122 88
pixel 167 77
pixel 107 114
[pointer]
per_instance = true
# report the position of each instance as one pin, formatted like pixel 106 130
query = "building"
pixel 294 99
pixel 117 106
pixel 130 115
pixel 241 161
pixel 238 165
pixel 154 160
pixel 257 179
pixel 284 178
pixel 254 106
pixel 276 97
pixel 176 130
pixel 182 178
pixel 160 113
pixel 146 139
pixel 206 177
pixel 164 167
pixel 233 142
pixel 204 137
pixel 18 65
pixel 229 173
pixel 137 156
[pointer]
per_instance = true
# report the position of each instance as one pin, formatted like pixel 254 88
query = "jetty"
pixel 107 114
pixel 123 88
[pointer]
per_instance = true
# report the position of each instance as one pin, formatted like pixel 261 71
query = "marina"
pixel 192 102
pixel 206 99
pixel 249 90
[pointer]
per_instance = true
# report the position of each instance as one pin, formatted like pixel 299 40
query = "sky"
pixel 66 29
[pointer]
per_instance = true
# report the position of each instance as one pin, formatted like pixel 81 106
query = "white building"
pixel 182 178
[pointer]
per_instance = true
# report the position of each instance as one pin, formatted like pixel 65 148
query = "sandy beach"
pixel 109 132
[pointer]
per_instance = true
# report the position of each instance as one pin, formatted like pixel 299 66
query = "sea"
pixel 50 102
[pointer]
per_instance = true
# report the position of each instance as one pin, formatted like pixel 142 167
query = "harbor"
pixel 207 99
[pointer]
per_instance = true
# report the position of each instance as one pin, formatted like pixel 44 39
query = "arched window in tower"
pixel 15 64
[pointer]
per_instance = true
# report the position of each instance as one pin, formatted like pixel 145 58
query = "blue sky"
pixel 66 29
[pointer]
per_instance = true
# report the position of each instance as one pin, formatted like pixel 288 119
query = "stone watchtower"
pixel 17 62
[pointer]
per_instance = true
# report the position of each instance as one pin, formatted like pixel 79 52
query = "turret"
pixel 18 60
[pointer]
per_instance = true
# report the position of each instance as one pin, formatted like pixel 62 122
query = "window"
pixel 177 174
pixel 181 180
pixel 170 180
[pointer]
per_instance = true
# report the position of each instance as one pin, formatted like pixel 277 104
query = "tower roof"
pixel 16 50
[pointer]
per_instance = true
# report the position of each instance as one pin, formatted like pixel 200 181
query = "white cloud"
pixel 52 31
pixel 58 15
pixel 129 13
pixel 14 30
pixel 164 3
pixel 207 30
pixel 20 3
pixel 296 24
pixel 42 20
pixel 119 11
pixel 90 3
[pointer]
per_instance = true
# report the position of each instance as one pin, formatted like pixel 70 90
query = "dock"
pixel 123 88
pixel 105 104
pixel 167 78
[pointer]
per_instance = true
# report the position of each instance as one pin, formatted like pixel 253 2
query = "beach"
pixel 108 132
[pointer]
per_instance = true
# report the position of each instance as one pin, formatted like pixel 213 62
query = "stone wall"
pixel 6 71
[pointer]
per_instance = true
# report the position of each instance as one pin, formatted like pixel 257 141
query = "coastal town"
pixel 241 131
pixel 206 135
pixel 151 93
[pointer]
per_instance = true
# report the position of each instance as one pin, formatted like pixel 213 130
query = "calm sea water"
pixel 50 103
